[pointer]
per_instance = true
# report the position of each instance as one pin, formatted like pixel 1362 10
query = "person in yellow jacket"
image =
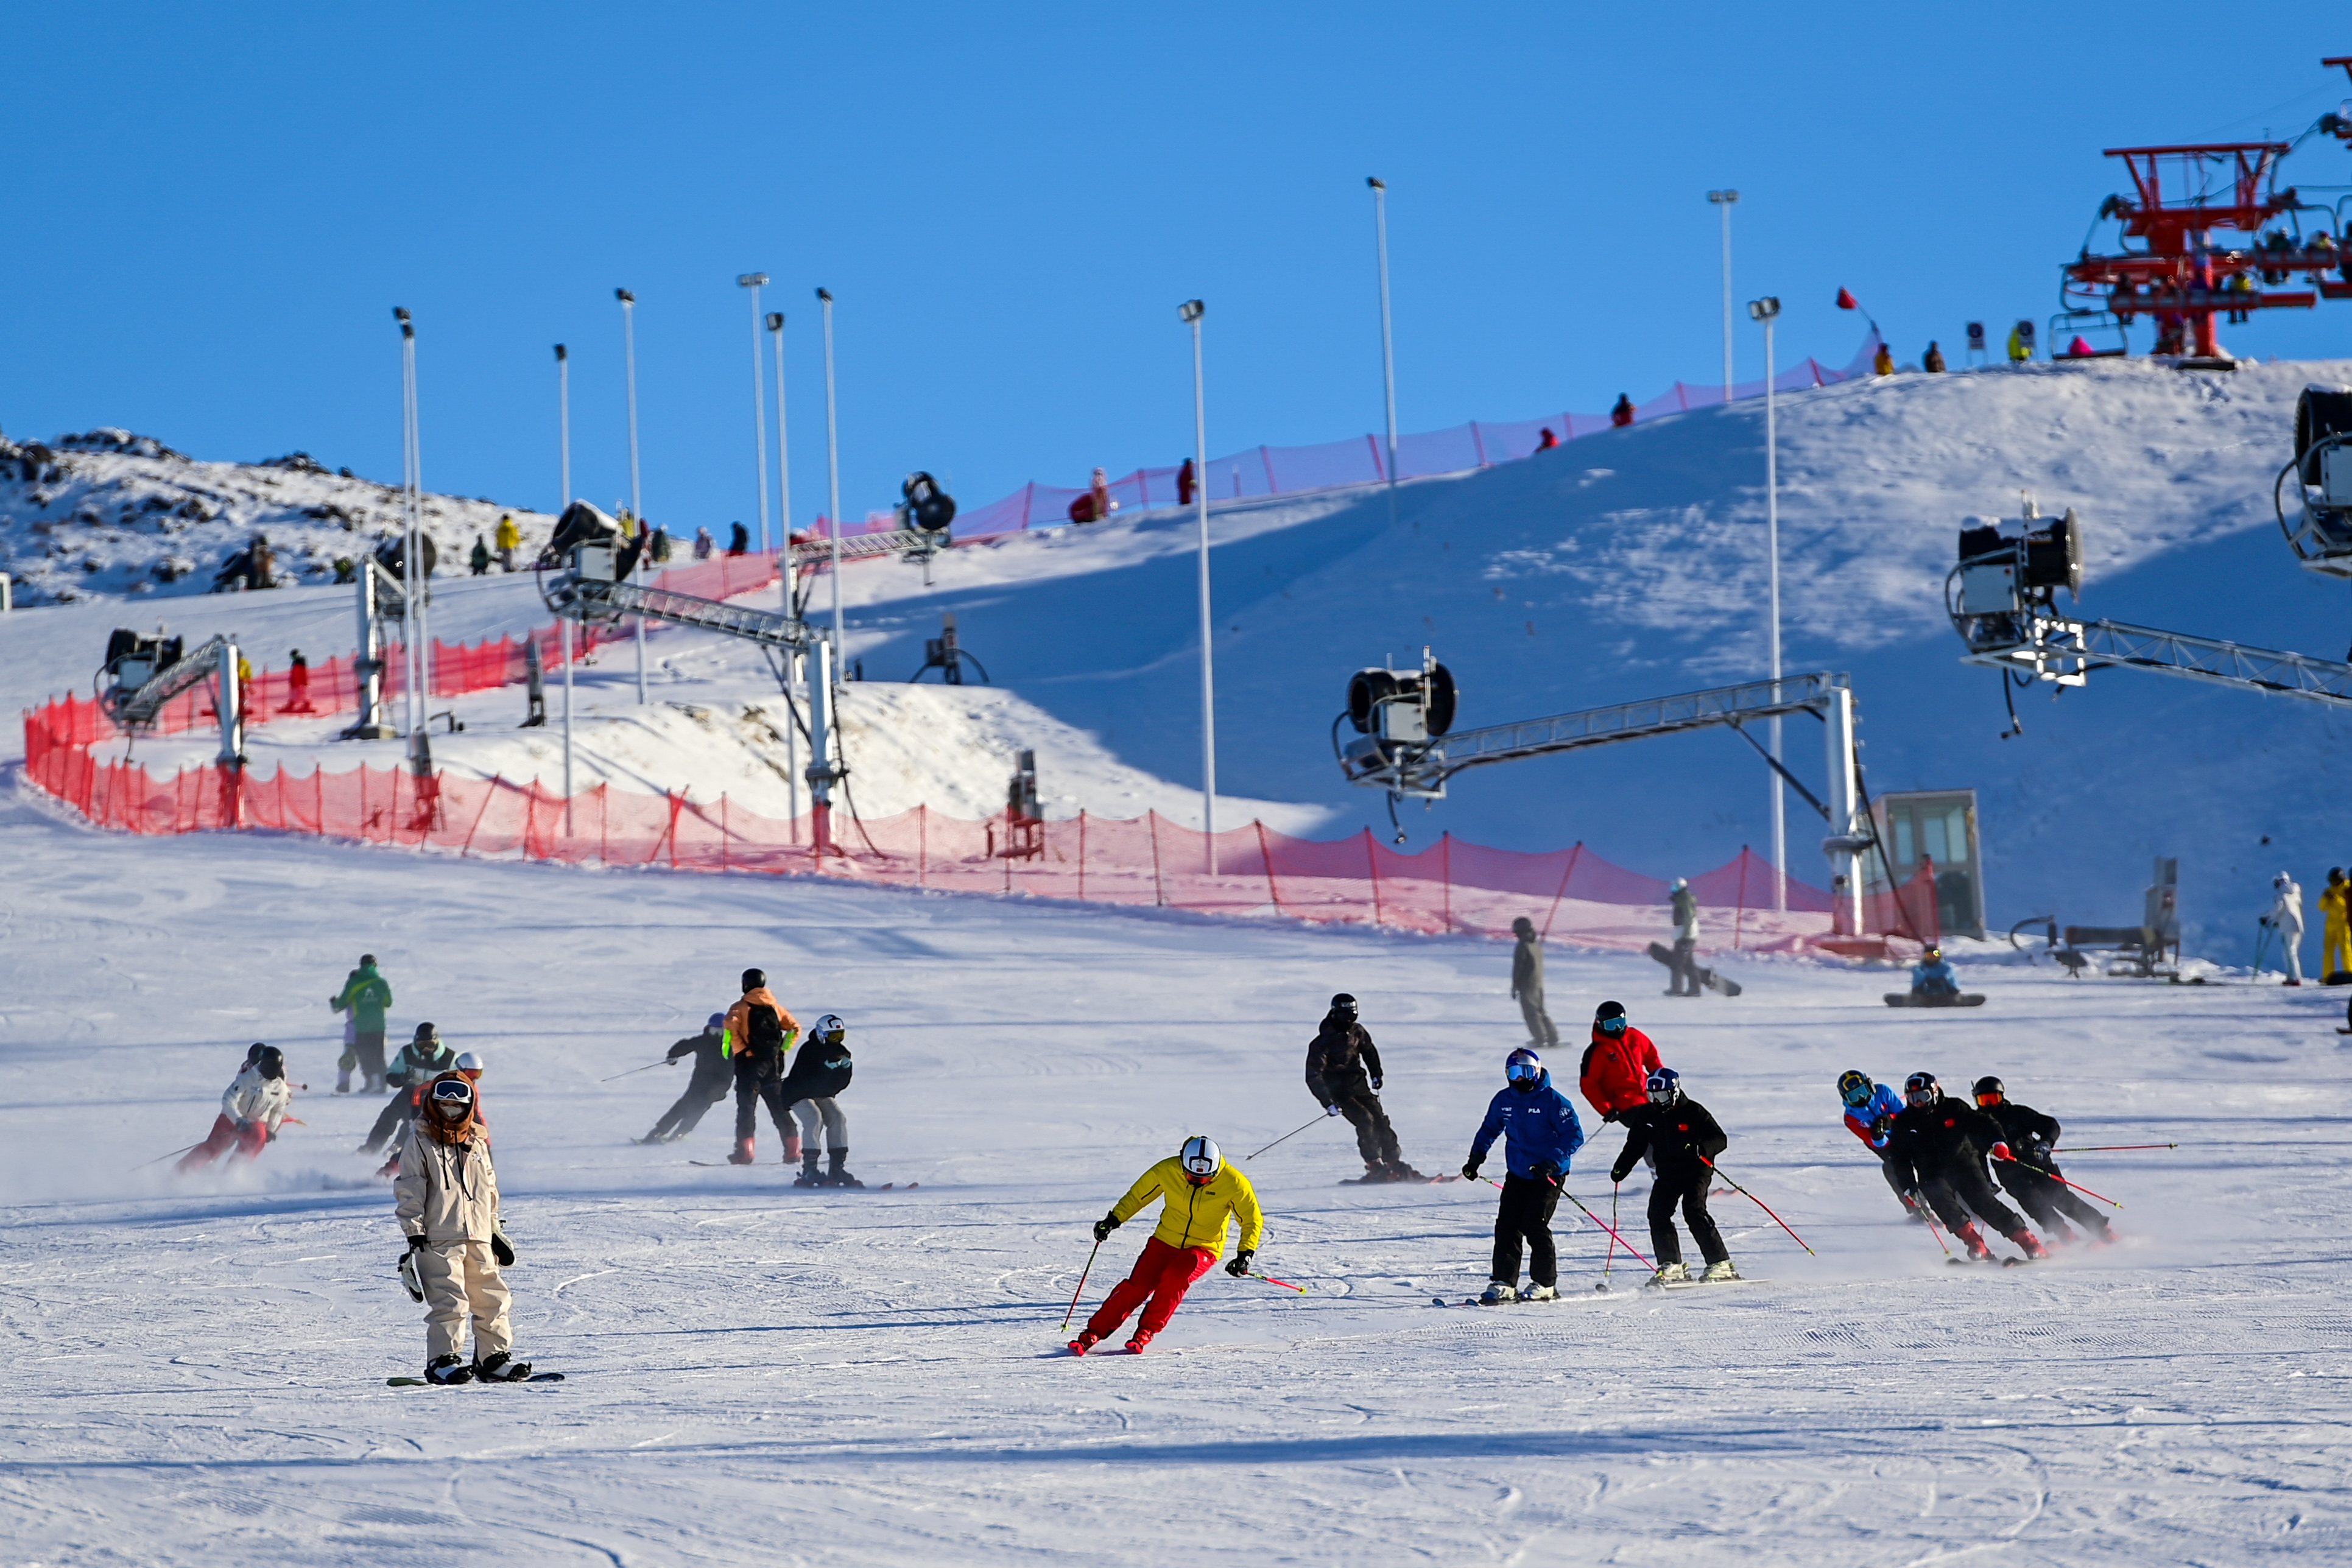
pixel 507 537
pixel 1198 1193
pixel 2019 351
pixel 2335 933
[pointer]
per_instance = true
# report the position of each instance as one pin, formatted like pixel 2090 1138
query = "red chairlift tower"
pixel 2183 277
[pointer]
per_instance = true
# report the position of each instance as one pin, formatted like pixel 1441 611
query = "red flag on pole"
pixel 1847 301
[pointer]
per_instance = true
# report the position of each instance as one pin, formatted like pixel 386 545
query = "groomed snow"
pixel 762 1375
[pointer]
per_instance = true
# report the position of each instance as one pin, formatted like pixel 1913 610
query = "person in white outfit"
pixel 256 1102
pixel 2285 918
pixel 447 1201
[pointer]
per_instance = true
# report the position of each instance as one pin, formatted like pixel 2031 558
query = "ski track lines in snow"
pixel 759 1373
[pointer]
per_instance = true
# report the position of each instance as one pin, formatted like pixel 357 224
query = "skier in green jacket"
pixel 365 995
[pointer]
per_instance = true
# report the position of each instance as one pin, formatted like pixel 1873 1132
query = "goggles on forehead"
pixel 452 1092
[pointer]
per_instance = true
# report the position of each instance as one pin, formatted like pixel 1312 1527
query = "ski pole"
pixel 2261 943
pixel 1934 1229
pixel 1759 1203
pixel 1082 1285
pixel 159 1159
pixel 2053 1175
pixel 1290 1134
pixel 650 1065
pixel 1611 1257
pixel 2111 1148
pixel 1272 1280
pixel 1596 1219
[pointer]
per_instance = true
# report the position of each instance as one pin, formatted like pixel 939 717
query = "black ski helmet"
pixel 754 979
pixel 1990 1085
pixel 1523 926
pixel 426 1034
pixel 1921 1083
pixel 270 1061
pixel 1663 1086
pixel 1344 1003
pixel 1854 1087
pixel 253 1052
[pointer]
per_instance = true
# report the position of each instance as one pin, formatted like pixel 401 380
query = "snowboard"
pixel 1722 985
pixel 1913 999
pixel 427 1383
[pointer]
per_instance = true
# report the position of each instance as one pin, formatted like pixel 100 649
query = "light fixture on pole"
pixel 833 482
pixel 1764 310
pixel 1387 357
pixel 563 422
pixel 752 281
pixel 1190 311
pixel 1723 200
pixel 784 480
pixel 636 503
pixel 416 656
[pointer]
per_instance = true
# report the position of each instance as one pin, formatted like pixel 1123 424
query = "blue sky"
pixel 213 210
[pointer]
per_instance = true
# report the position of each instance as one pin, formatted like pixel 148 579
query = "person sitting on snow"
pixel 1932 976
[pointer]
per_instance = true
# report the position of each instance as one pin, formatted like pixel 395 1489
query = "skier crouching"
pixel 1938 1146
pixel 2030 1174
pixel 251 1109
pixel 1540 1135
pixel 703 1089
pixel 1198 1193
pixel 820 1069
pixel 1685 1138
pixel 1870 1112
pixel 447 1201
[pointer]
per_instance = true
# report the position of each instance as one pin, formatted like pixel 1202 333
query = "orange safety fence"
pixel 1572 895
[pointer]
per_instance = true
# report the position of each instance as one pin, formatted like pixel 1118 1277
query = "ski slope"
pixel 762 1374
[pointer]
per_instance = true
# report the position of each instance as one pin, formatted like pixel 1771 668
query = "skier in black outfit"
pixel 1343 1073
pixel 2029 1174
pixel 821 1070
pixel 421 1061
pixel 1938 1146
pixel 759 1032
pixel 1683 1137
pixel 712 1074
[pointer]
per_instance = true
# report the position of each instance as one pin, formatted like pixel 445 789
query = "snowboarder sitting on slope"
pixel 447 1201
pixel 1684 1139
pixel 1938 1147
pixel 421 1061
pixel 1343 1073
pixel 706 1089
pixel 758 1031
pixel 255 1104
pixel 2030 1175
pixel 1540 1135
pixel 820 1069
pixel 1932 976
pixel 1616 1074
pixel 1870 1112
pixel 1198 1192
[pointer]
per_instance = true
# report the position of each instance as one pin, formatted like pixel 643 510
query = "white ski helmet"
pixel 469 1063
pixel 828 1031
pixel 1200 1158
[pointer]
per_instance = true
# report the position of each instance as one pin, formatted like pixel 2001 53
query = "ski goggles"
pixel 1613 1026
pixel 1989 1101
pixel 452 1092
pixel 1523 1072
pixel 1921 1096
pixel 1856 1098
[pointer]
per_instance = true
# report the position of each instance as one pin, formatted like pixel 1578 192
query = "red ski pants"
pixel 1160 1276
pixel 225 1139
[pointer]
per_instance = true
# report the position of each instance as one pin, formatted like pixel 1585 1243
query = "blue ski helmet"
pixel 1523 1069
pixel 1665 1086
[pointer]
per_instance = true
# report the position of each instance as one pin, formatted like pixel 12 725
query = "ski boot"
pixel 2030 1244
pixel 1670 1274
pixel 499 1367
pixel 343 1082
pixel 1499 1293
pixel 837 1177
pixel 1540 1293
pixel 1400 1171
pixel 792 1148
pixel 808 1176
pixel 1974 1239
pixel 1084 1343
pixel 1375 1171
pixel 1135 1344
pixel 448 1371
pixel 743 1155
pixel 1717 1272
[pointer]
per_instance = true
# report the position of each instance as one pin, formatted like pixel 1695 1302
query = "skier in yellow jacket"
pixel 2336 927
pixel 1198 1193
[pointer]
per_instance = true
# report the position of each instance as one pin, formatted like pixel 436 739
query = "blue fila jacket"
pixel 1540 1126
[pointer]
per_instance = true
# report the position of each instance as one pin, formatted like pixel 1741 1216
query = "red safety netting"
pixel 1571 894
pixel 1261 471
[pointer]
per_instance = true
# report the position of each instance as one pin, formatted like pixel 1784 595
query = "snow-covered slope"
pixel 109 514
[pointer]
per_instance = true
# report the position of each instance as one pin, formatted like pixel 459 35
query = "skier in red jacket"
pixel 1615 1074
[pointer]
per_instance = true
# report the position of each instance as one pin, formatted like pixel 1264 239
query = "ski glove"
pixel 1619 1171
pixel 502 1250
pixel 1544 1171
pixel 408 1269
pixel 1331 1110
pixel 1240 1267
pixel 1376 1085
pixel 1470 1171
pixel 1105 1226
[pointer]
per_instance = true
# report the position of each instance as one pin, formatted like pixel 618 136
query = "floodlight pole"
pixel 417 660
pixel 637 502
pixel 753 280
pixel 1387 355
pixel 784 480
pixel 1765 310
pixel 833 476
pixel 563 422
pixel 1190 311
pixel 565 622
pixel 1723 200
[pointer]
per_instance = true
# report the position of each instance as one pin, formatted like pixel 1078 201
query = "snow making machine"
pixel 2320 530
pixel 142 674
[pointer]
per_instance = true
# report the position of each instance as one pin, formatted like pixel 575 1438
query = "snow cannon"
pixel 586 549
pixel 923 506
pixel 2009 572
pixel 2319 530
pixel 1399 716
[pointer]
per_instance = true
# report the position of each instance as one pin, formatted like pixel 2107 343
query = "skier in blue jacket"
pixel 1870 1112
pixel 1540 1135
